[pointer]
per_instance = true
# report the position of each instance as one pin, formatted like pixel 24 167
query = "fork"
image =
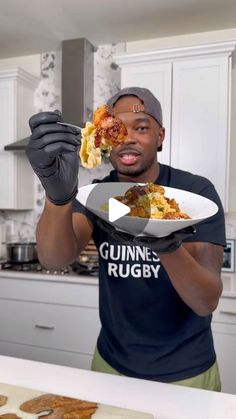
pixel 67 124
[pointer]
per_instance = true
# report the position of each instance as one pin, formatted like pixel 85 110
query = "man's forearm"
pixel 57 245
pixel 198 286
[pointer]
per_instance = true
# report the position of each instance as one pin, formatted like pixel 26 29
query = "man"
pixel 154 326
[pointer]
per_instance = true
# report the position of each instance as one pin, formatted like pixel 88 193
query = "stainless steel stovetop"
pixel 36 267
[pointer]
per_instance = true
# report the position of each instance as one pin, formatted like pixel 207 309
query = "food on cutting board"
pixel 21 403
pixel 98 138
pixel 149 201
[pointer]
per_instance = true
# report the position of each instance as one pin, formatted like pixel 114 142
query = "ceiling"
pixel 32 26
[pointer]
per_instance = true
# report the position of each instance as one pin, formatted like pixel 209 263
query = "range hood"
pixel 77 85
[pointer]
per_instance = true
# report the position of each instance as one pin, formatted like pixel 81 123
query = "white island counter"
pixel 50 313
pixel 164 401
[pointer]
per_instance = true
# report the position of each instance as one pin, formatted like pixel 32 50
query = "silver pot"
pixel 21 252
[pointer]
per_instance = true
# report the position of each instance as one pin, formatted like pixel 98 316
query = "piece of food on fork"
pixel 98 138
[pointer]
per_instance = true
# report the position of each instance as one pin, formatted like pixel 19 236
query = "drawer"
pixel 34 353
pixel 68 328
pixel 50 291
pixel 226 311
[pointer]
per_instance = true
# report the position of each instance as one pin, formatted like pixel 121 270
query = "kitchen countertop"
pixel 71 277
pixel 164 401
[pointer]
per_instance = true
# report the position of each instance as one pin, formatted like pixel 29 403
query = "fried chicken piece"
pixel 101 113
pixel 108 127
pixel 60 407
pixel 139 212
pixel 156 188
pixel 176 216
pixel 173 204
pixel 3 400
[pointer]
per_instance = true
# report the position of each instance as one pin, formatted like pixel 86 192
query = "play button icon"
pixel 103 199
pixel 116 209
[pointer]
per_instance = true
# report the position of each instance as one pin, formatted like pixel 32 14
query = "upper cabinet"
pixel 193 85
pixel 17 89
pixel 156 77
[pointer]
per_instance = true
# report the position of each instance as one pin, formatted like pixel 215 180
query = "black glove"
pixel 52 152
pixel 165 244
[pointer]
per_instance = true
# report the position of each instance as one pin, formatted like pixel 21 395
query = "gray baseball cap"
pixel 150 104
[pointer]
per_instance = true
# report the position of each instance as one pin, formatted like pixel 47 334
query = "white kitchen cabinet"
pixel 16 181
pixel 193 85
pixel 157 78
pixel 17 89
pixel 200 119
pixel 49 320
pixel 224 332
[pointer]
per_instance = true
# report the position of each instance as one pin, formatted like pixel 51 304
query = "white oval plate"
pixel 196 206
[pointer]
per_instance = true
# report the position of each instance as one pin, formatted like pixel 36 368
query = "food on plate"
pixel 149 201
pixel 98 138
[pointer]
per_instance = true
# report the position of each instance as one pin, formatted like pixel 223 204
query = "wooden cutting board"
pixel 22 403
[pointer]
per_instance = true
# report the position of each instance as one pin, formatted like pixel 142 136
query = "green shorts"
pixel 207 380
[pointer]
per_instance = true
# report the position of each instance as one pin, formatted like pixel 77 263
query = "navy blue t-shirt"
pixel 147 329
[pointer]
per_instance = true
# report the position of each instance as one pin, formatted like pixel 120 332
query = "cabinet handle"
pixel 231 313
pixel 44 326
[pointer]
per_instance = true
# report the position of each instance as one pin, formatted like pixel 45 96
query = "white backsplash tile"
pixel 106 77
pixel 47 95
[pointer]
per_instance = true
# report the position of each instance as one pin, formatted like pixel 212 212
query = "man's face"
pixel 138 153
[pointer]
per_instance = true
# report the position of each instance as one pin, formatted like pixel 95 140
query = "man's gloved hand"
pixel 52 152
pixel 165 244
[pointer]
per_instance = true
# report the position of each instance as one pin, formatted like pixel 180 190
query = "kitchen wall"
pixel 107 81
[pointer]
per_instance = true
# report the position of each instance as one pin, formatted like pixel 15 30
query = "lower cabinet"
pixel 224 332
pixel 57 321
pixel 49 321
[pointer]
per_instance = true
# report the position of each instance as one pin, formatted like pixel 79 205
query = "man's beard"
pixel 131 171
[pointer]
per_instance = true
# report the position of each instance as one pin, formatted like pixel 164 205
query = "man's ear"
pixel 161 137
